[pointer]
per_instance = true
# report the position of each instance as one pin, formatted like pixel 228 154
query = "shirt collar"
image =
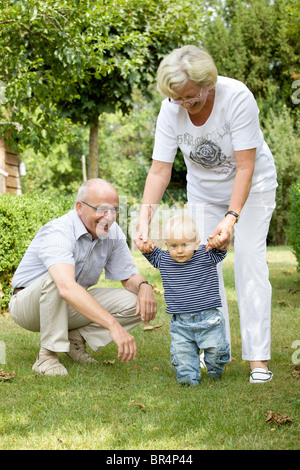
pixel 79 227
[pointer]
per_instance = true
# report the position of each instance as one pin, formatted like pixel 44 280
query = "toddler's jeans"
pixel 194 332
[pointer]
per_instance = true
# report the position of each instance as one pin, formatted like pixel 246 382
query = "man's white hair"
pixel 85 187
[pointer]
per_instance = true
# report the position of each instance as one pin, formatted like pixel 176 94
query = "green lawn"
pixel 135 406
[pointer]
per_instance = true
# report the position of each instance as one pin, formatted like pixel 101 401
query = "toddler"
pixel 191 285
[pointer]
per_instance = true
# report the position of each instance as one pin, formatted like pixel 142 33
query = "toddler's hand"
pixel 215 242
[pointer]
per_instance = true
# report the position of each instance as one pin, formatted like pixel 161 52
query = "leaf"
pixel 296 371
pixel 283 303
pixel 158 291
pixel 109 363
pixel 6 375
pixel 150 328
pixel 141 405
pixel 278 418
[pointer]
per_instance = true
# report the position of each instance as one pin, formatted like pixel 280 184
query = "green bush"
pixel 282 136
pixel 293 230
pixel 20 219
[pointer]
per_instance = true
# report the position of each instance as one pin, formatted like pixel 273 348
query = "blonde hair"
pixel 181 227
pixel 188 63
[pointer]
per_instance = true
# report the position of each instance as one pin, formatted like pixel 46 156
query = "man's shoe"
pixel 47 363
pixel 260 375
pixel 78 350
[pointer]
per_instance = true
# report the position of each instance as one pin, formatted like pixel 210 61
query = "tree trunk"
pixel 93 165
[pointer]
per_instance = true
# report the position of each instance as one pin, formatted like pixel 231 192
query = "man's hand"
pixel 82 301
pixel 126 343
pixel 146 304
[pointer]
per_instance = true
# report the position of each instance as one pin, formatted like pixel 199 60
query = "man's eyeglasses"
pixel 189 101
pixel 102 210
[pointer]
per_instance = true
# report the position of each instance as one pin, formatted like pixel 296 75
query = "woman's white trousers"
pixel 252 285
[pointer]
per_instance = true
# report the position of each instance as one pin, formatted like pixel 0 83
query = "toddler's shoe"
pixel 213 375
pixel 188 382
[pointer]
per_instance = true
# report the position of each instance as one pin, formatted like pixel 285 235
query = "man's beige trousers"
pixel 39 307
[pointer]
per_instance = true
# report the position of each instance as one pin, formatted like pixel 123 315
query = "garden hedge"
pixel 20 219
pixel 293 230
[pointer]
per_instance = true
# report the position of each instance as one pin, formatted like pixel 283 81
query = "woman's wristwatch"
pixel 234 214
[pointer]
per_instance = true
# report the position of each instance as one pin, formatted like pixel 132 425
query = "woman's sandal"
pixel 260 375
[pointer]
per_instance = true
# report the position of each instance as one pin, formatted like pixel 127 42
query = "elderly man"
pixel 64 260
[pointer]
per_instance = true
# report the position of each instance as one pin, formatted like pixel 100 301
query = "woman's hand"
pixel 221 236
pixel 144 247
pixel 142 232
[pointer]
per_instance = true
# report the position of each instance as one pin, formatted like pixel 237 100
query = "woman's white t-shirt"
pixel 208 150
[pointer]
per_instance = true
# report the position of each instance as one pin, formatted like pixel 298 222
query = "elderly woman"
pixel 231 182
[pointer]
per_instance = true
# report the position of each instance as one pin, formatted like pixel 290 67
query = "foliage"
pixel 258 43
pixel 77 59
pixel 60 171
pixel 293 228
pixel 20 219
pixel 125 145
pixel 282 136
pixel 125 151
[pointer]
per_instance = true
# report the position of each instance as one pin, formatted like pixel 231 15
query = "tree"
pixel 257 42
pixel 69 61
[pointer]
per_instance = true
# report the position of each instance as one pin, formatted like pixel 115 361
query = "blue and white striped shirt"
pixel 66 240
pixel 192 286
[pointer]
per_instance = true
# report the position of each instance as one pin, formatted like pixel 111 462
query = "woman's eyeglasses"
pixel 189 101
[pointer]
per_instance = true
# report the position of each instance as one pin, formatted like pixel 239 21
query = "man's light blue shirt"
pixel 66 240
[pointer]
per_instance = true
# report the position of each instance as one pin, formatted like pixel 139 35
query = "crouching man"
pixel 53 289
